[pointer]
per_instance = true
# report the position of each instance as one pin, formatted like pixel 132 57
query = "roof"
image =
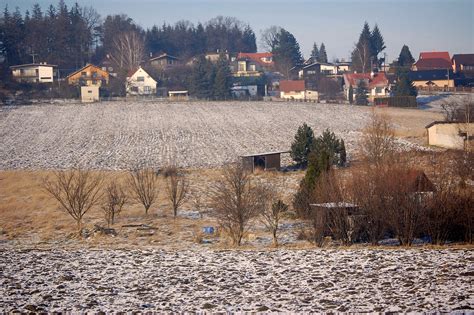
pixel 465 59
pixel 442 122
pixel 435 55
pixel 289 86
pixel 32 65
pixel 417 181
pixel 265 153
pixel 432 63
pixel 430 75
pixel 318 63
pixel 86 66
pixel 379 79
pixel 257 57
pixel 339 205
pixel 165 55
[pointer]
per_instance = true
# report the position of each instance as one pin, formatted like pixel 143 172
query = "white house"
pixel 33 73
pixel 140 82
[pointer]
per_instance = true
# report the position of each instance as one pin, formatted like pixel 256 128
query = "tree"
pixel 143 185
pixel 405 59
pixel 223 79
pixel 329 88
pixel 361 93
pixel 351 94
pixel 201 82
pixel 332 145
pixel 76 190
pixel 378 139
pixel 115 199
pixel 236 202
pixel 128 50
pixel 301 146
pixel 177 188
pixel 404 85
pixel 377 44
pixel 315 53
pixel 322 56
pixel 286 52
pixel 271 214
pixel 268 37
pixel 362 54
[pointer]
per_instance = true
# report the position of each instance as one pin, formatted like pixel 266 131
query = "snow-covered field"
pixel 121 135
pixel 362 280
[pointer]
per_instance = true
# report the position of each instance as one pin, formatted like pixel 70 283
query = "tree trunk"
pixel 275 239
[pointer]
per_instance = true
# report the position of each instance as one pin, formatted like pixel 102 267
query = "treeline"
pixel 72 37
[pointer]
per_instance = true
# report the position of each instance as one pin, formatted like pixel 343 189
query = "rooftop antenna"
pixel 33 55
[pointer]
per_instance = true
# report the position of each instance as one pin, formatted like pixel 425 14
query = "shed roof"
pixel 265 153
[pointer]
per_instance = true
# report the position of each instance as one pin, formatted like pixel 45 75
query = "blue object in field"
pixel 208 229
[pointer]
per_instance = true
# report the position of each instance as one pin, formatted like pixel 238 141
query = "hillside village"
pixel 178 168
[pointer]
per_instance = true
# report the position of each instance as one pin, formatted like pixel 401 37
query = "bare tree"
pixel 235 201
pixel 76 190
pixel 268 37
pixel 378 139
pixel 143 184
pixel 128 50
pixel 177 187
pixel 272 211
pixel 115 199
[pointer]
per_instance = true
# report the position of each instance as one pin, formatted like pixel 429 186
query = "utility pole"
pixel 33 55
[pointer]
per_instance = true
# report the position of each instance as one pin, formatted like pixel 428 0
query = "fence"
pixel 396 101
pixel 455 89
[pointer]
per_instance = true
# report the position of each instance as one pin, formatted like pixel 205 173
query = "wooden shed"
pixel 264 161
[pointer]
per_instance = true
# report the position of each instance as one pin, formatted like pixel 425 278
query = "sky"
pixel 423 25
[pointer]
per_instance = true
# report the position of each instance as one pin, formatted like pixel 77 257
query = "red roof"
pixel 257 57
pixel 379 79
pixel 292 86
pixel 432 64
pixel 435 55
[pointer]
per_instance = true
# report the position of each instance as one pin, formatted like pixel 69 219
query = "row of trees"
pixel 71 37
pixel 210 80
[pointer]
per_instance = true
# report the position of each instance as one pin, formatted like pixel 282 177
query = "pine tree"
pixel 200 81
pixel 404 86
pixel 361 55
pixel 351 94
pixel 405 59
pixel 328 142
pixel 315 53
pixel 377 44
pixel 301 146
pixel 249 42
pixel 323 57
pixel 361 94
pixel 223 79
pixel 286 52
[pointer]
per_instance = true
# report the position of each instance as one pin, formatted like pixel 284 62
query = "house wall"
pixel 145 87
pixel 34 74
pixel 447 135
pixel 89 94
pixel 439 83
pixel 90 76
pixel 292 95
pixel 312 95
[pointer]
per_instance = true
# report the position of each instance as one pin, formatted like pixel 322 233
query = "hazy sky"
pixel 424 25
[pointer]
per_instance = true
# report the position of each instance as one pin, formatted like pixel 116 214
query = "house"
pixel 164 61
pixel 214 56
pixel 433 61
pixel 377 83
pixel 432 78
pixel 178 95
pixel 89 94
pixel 249 86
pixel 89 75
pixel 463 63
pixel 139 82
pixel 451 135
pixel 263 60
pixel 342 67
pixel 296 90
pixel 33 73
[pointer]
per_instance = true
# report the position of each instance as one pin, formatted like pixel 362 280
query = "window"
pixel 311 72
pixel 94 74
pixel 140 79
pixel 242 66
pixel 378 90
pixel 147 89
pixel 252 68
pixel 134 89
pixel 83 74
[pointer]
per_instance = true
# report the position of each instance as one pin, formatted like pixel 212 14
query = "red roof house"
pixel 433 61
pixel 264 59
pixel 292 86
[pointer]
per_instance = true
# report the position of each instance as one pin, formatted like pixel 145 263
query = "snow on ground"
pixel 122 135
pixel 363 280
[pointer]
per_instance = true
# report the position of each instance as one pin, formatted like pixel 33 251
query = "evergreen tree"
pixel 342 153
pixel 405 59
pixel 286 52
pixel 301 146
pixel 361 55
pixel 315 53
pixel 328 142
pixel 404 86
pixel 361 93
pixel 351 94
pixel 223 79
pixel 249 41
pixel 377 44
pixel 323 57
pixel 201 84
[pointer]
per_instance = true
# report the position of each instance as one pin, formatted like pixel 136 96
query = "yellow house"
pixel 90 75
pixel 432 78
pixel 452 135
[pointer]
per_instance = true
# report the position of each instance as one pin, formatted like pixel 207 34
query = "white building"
pixel 33 73
pixel 140 83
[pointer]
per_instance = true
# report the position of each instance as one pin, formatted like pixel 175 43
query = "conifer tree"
pixel 200 80
pixel 404 85
pixel 361 94
pixel 315 53
pixel 301 146
pixel 362 53
pixel 377 44
pixel 223 79
pixel 323 57
pixel 405 58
